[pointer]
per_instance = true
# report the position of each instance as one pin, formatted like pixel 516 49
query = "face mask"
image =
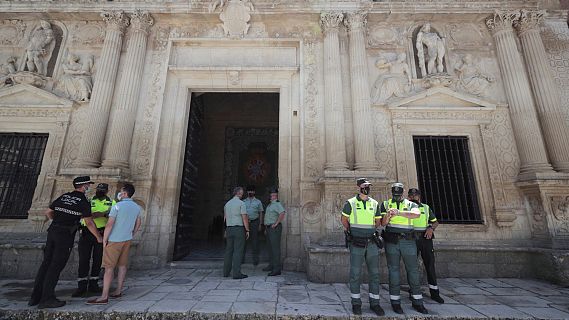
pixel 251 194
pixel 86 189
pixel 100 194
pixel 119 196
pixel 415 201
pixel 365 190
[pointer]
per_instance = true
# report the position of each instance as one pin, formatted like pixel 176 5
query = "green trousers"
pixel 254 240
pixel 234 246
pixel 406 249
pixel 371 257
pixel 274 246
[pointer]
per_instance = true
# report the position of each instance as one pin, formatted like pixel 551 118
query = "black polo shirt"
pixel 70 208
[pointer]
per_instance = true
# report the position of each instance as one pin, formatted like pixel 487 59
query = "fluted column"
pixel 102 95
pixel 531 148
pixel 545 90
pixel 333 98
pixel 361 104
pixel 117 149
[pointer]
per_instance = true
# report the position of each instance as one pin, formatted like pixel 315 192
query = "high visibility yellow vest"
pixel 401 224
pixel 421 223
pixel 360 217
pixel 98 205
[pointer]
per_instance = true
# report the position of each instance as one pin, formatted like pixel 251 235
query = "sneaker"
pixel 97 302
pixel 53 303
pixel 357 309
pixel 420 308
pixel 397 308
pixel 378 310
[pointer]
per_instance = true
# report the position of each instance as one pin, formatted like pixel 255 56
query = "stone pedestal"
pixel 547 202
pixel 333 100
pixel 529 140
pixel 102 95
pixel 117 150
pixel 555 130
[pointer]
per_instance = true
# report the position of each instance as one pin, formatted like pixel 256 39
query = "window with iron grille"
pixel 446 179
pixel 21 156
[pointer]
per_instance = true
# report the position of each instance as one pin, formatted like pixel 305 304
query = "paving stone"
pixel 456 311
pixel 509 292
pixel 557 299
pixel 168 305
pixel 323 297
pixel 144 282
pixel 257 296
pixel 545 313
pixel 236 284
pixel 263 285
pixel 562 307
pixel 172 289
pixel 522 301
pixel 221 296
pixel 206 285
pixel 319 287
pixel 293 296
pixel 151 296
pixel 499 311
pixel 190 295
pixel 291 287
pixel 180 281
pixel 476 299
pixel 131 306
pixel 290 309
pixel 136 292
pixel 212 307
pixel 468 290
pixel 265 308
pixel 448 300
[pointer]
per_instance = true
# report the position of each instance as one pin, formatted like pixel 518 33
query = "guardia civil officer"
pixel 65 212
pixel 274 217
pixel 424 227
pixel 399 237
pixel 237 221
pixel 255 213
pixel 360 217
pixel 88 246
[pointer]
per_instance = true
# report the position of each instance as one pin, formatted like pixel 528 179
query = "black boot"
pixel 94 286
pixel 81 289
pixel 420 308
pixel 52 303
pixel 378 310
pixel 397 308
pixel 357 309
pixel 435 296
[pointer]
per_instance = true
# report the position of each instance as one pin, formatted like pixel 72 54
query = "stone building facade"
pixel 360 84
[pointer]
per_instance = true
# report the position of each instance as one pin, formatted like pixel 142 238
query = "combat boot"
pixel 435 296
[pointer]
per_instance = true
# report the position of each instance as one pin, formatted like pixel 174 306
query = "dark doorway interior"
pixel 232 140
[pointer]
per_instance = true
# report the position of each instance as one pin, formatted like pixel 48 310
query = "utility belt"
pixel 360 242
pixel 60 228
pixel 421 235
pixel 254 220
pixel 394 237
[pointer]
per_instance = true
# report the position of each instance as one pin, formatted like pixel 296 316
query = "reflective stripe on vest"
pixel 398 221
pixel 421 223
pixel 100 206
pixel 362 218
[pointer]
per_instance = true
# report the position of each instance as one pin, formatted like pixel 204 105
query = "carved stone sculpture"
pixel 435 51
pixel 470 77
pixel 395 82
pixel 76 81
pixel 234 15
pixel 6 70
pixel 39 47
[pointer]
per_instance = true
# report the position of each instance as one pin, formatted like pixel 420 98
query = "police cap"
pixel 82 180
pixel 274 190
pixel 414 191
pixel 103 186
pixel 397 189
pixel 361 181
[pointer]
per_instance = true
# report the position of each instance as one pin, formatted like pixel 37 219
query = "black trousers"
pixel 89 248
pixel 425 249
pixel 55 255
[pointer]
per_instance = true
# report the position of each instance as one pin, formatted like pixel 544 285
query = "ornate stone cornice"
pixel 355 20
pixel 116 20
pixel 330 21
pixel 502 20
pixel 529 20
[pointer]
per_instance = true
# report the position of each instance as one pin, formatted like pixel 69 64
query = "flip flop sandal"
pixel 115 296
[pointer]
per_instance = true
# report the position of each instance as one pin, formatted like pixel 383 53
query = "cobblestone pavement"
pixel 204 293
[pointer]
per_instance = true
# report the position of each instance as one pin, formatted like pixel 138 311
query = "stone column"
pixel 361 104
pixel 333 97
pixel 545 90
pixel 531 148
pixel 117 149
pixel 102 95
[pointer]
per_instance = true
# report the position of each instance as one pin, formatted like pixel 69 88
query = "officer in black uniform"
pixel 65 211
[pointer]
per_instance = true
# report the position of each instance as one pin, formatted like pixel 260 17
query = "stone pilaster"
pixel 102 95
pixel 333 97
pixel 120 131
pixel 531 148
pixel 545 90
pixel 361 104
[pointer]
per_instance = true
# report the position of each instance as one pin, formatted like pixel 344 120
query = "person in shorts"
pixel 124 222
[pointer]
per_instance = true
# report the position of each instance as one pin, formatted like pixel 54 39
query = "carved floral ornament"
pixel 116 20
pixel 523 20
pixel 330 21
pixel 140 21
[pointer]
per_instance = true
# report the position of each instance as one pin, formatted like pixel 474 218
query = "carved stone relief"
pixel 86 33
pixel 538 215
pixel 234 15
pixel 470 78
pixel 430 51
pixel 77 128
pixel 560 210
pixel 76 82
pixel 555 36
pixel 394 79
pixel 6 69
pixel 384 35
pixel 383 142
pixel 39 48
pixel 468 36
pixel 11 32
pixel 311 212
pixel 312 142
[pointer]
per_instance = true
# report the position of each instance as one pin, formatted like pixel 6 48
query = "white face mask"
pixel 119 196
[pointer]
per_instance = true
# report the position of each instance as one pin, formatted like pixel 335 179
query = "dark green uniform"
pixel 362 215
pixel 400 243
pixel 234 209
pixel 274 209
